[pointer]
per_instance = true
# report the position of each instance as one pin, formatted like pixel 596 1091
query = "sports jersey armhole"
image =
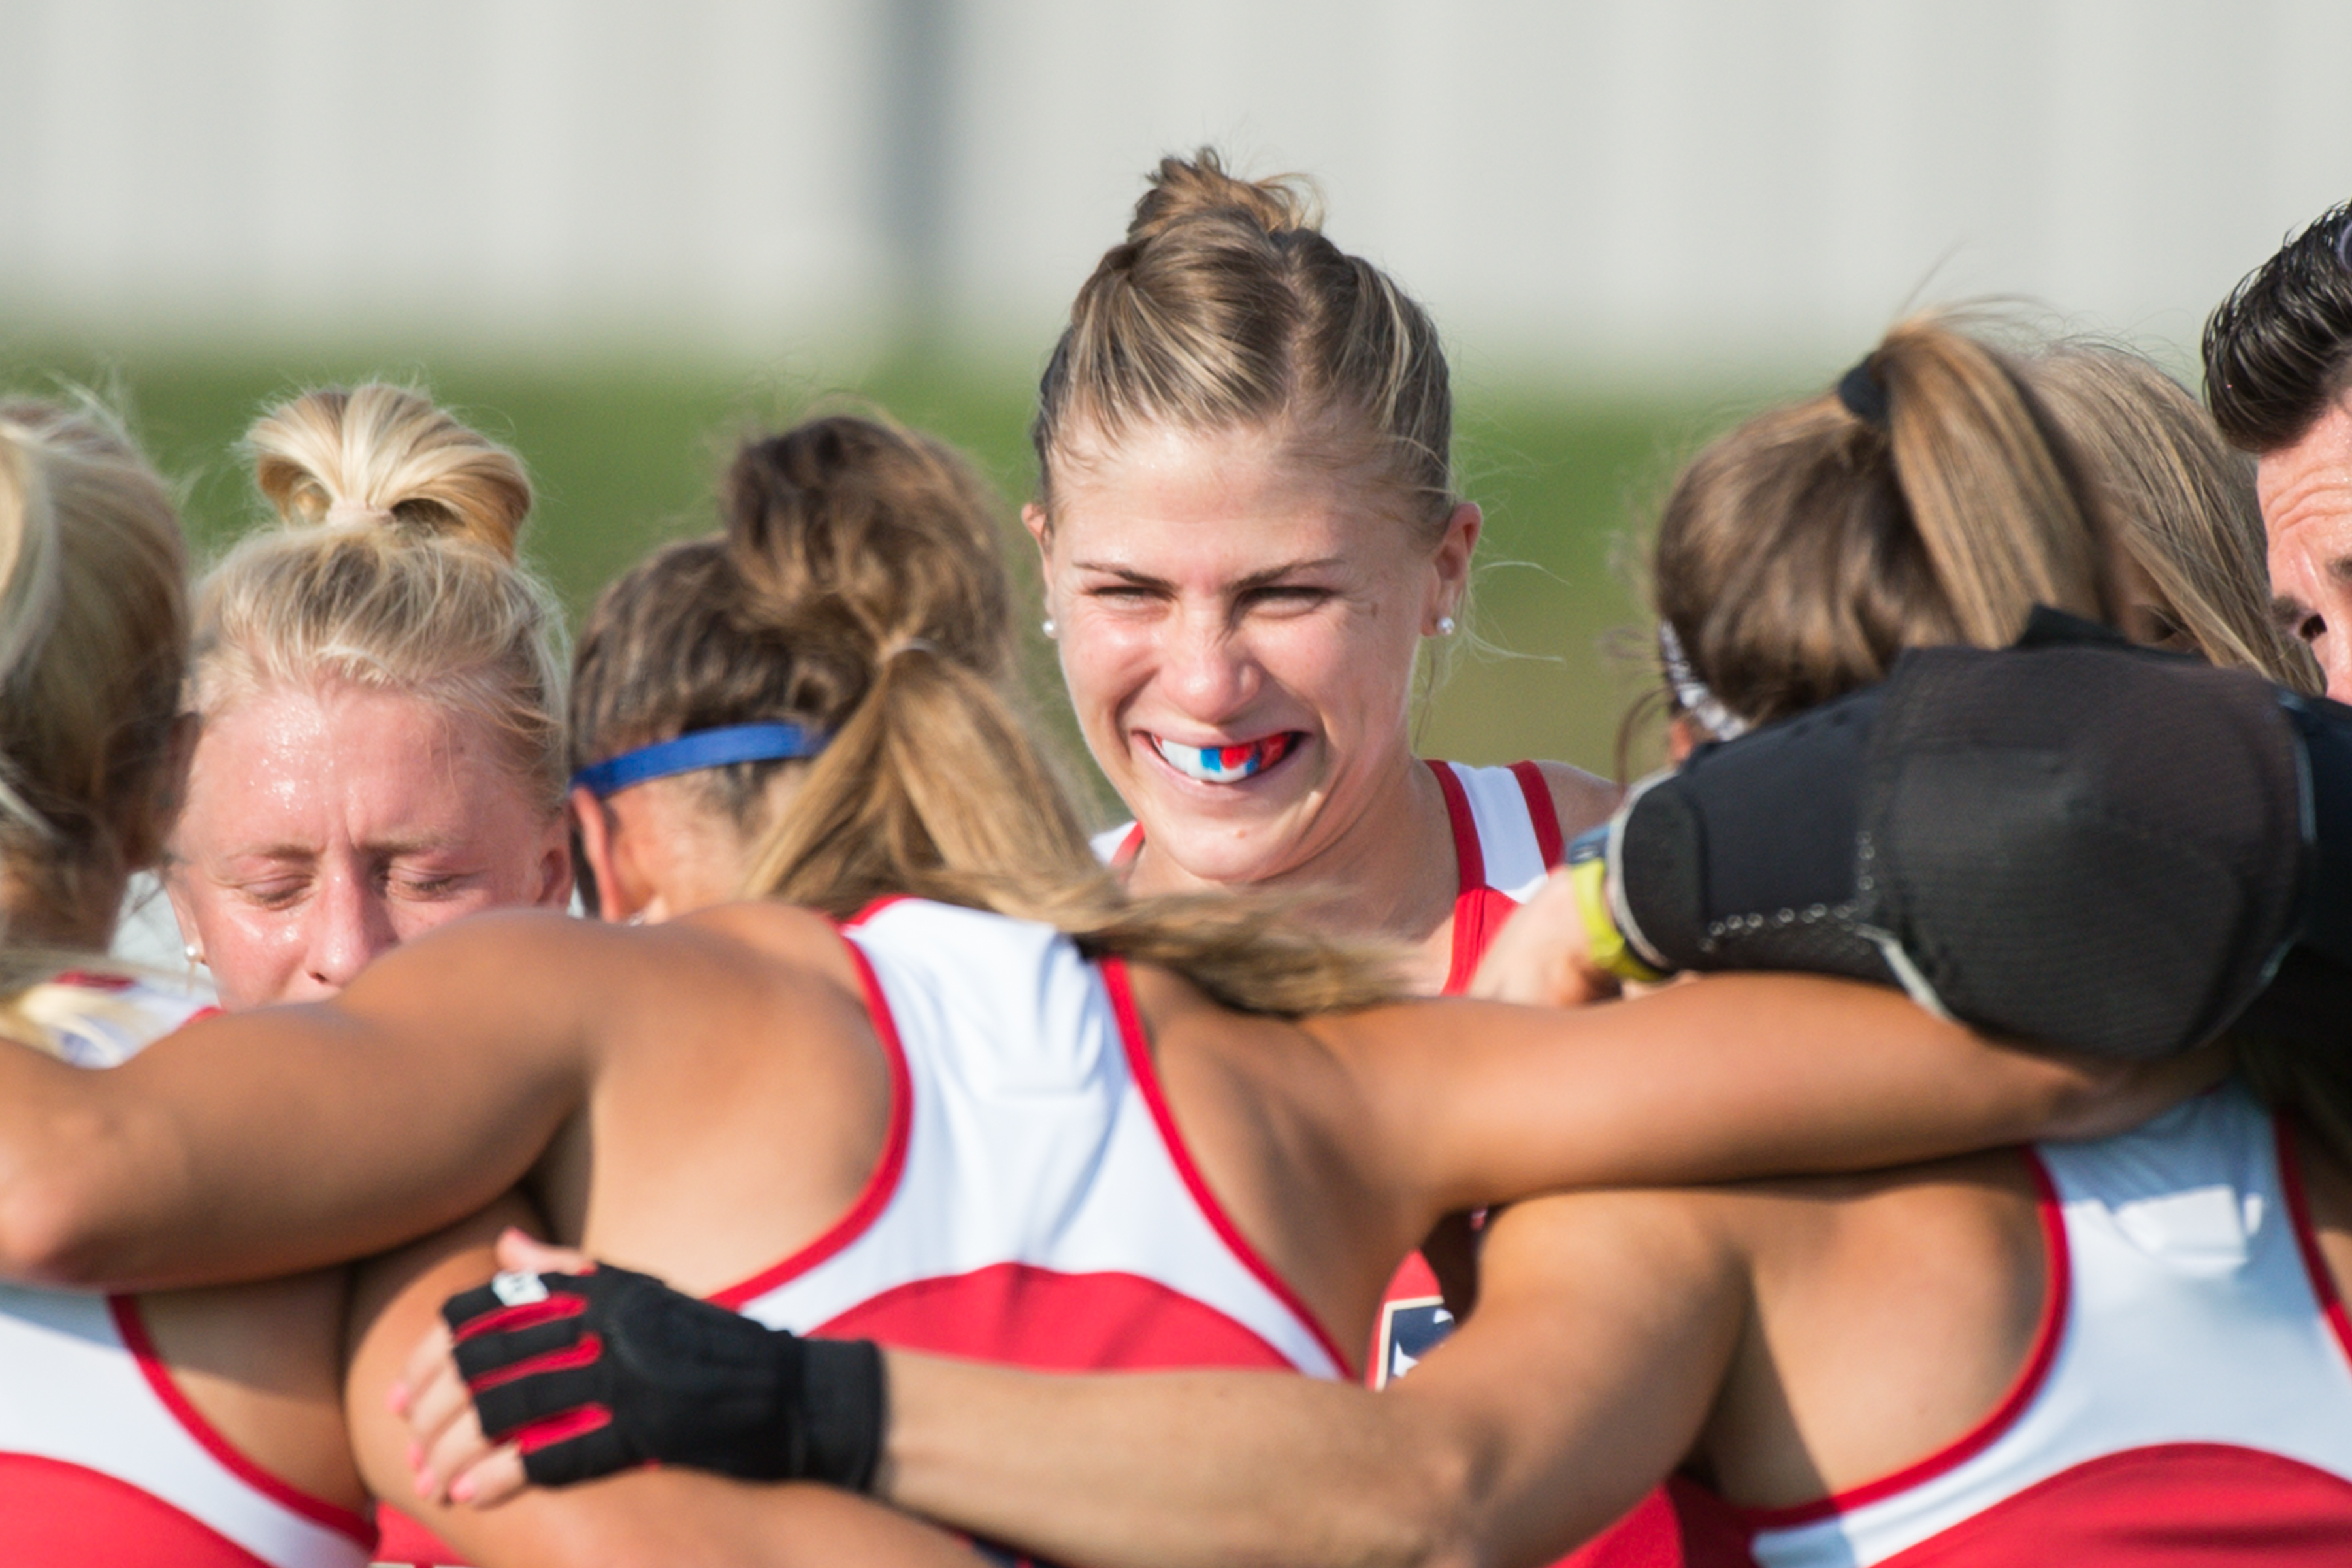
pixel 2306 1238
pixel 1137 1047
pixel 882 1183
pixel 2057 1297
pixel 1469 857
pixel 277 1489
pixel 1543 815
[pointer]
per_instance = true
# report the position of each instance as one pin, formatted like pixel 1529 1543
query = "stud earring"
pixel 1050 629
pixel 1445 625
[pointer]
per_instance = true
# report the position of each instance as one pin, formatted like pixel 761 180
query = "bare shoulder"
pixel 797 941
pixel 1581 800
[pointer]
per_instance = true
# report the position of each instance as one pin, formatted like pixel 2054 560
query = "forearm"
pixel 276 1141
pixel 1728 1077
pixel 1167 1469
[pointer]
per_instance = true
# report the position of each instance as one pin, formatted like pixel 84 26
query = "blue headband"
pixel 702 748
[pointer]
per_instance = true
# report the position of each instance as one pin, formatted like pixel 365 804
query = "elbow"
pixel 46 1237
pixel 1427 1517
pixel 54 1209
pixel 2099 1096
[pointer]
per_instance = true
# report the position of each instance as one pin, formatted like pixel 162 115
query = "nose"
pixel 348 926
pixel 2335 653
pixel 1208 666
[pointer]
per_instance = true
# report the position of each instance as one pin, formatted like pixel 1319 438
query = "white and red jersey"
pixel 1034 1204
pixel 103 1462
pixel 1506 838
pixel 2186 1401
pixel 1505 841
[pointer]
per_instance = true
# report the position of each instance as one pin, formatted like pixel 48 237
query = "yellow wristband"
pixel 1606 948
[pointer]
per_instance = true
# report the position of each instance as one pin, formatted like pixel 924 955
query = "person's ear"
pixel 1041 530
pixel 596 832
pixel 556 869
pixel 1450 563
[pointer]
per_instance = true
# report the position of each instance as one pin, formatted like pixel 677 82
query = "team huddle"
pixel 1915 1129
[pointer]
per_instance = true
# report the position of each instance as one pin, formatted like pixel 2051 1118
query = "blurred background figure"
pixel 606 231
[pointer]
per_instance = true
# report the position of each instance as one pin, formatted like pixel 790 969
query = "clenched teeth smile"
pixel 1225 765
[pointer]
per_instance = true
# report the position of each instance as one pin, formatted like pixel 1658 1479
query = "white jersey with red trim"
pixel 1506 838
pixel 1034 1204
pixel 2189 1399
pixel 103 1462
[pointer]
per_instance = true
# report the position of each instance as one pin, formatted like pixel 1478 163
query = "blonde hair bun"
pixel 384 455
pixel 1184 191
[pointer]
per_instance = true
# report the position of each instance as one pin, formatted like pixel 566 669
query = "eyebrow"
pixel 391 848
pixel 1255 580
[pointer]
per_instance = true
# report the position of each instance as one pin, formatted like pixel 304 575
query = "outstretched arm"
pixel 1607 1323
pixel 1605 1327
pixel 268 1142
pixel 1724 1076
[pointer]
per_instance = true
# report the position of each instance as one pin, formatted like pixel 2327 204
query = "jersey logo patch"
pixel 1410 1330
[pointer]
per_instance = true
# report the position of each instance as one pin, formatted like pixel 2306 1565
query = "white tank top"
pixel 1034 1204
pixel 103 1462
pixel 2188 1398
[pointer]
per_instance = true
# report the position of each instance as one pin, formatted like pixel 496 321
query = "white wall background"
pixel 1640 190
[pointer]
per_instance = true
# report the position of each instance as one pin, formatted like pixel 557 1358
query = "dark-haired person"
pixel 2034 1306
pixel 2278 374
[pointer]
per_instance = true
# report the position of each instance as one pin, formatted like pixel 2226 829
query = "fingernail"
pixel 415 1455
pixel 462 1489
pixel 397 1396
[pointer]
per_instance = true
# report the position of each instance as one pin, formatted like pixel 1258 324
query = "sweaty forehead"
pixel 291 766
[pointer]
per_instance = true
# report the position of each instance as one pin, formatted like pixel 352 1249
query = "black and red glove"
pixel 589 1373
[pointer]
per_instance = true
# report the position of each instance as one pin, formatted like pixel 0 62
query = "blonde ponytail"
pixel 934 789
pixel 93 637
pixel 1800 554
pixel 869 602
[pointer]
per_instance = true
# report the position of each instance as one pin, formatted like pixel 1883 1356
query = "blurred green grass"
pixel 625 455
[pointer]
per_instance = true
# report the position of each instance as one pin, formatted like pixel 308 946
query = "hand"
pixel 452 1461
pixel 602 1369
pixel 1538 958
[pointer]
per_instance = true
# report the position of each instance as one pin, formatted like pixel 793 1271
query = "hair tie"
pixel 910 645
pixel 1864 395
pixel 357 514
pixel 700 749
pixel 2344 243
pixel 1697 699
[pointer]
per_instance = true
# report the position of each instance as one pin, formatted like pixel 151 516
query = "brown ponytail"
pixel 860 589
pixel 1798 555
